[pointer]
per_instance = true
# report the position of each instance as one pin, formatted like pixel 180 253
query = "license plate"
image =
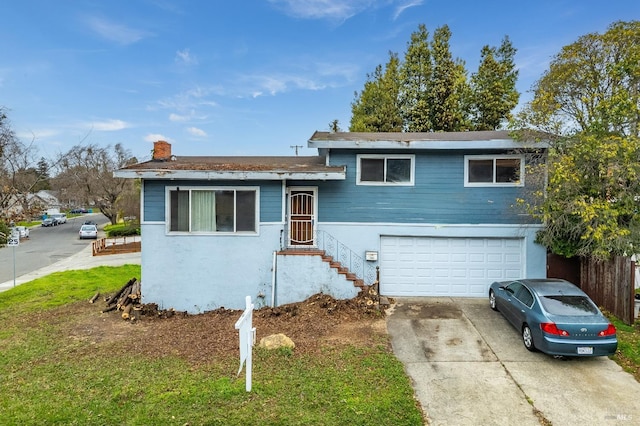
pixel 585 350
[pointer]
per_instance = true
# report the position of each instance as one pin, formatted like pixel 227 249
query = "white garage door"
pixel 462 267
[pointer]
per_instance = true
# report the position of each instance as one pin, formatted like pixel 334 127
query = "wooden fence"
pixel 118 245
pixel 610 284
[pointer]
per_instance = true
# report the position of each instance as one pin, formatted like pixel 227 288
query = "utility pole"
pixel 296 148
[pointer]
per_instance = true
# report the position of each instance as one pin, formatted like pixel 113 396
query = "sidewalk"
pixel 81 260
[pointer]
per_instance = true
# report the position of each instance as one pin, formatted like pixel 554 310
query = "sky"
pixel 242 77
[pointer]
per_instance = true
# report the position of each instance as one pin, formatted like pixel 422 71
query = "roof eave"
pixel 429 145
pixel 161 174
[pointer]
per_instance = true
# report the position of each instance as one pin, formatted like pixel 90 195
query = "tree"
pixel 86 177
pixel 415 75
pixel 18 176
pixel 376 108
pixel 447 87
pixel 493 87
pixel 429 90
pixel 589 96
pixel 592 85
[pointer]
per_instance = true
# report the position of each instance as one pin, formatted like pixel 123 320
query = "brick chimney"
pixel 161 150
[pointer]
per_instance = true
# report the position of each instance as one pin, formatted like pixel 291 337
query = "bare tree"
pixel 86 177
pixel 20 174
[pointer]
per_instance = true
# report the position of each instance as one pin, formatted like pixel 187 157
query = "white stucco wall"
pixel 300 277
pixel 198 273
pixel 366 237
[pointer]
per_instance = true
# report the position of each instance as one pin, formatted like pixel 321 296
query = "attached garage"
pixel 447 266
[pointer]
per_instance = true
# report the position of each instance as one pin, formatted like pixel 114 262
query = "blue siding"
pixel 270 197
pixel 438 196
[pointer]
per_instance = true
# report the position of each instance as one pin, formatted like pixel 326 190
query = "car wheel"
pixel 527 338
pixel 492 300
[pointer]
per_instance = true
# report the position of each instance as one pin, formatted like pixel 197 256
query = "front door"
pixel 302 216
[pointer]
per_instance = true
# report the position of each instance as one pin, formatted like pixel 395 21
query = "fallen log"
pixel 136 312
pixel 109 309
pixel 94 298
pixel 119 292
pixel 126 311
pixel 135 290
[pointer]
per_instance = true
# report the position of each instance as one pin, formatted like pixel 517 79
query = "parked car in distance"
pixel 555 317
pixel 77 211
pixel 60 218
pixel 90 222
pixel 49 221
pixel 23 231
pixel 88 231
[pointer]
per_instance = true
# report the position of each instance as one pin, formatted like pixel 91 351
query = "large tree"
pixel 590 98
pixel 376 109
pixel 429 90
pixel 19 175
pixel 86 177
pixel 415 74
pixel 447 86
pixel 592 85
pixel 493 87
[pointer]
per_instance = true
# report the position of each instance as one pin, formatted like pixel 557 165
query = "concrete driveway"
pixel 469 367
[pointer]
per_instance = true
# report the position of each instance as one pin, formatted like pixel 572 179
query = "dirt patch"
pixel 318 321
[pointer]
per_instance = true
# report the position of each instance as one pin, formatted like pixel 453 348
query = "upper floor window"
pixel 213 210
pixel 385 169
pixel 490 170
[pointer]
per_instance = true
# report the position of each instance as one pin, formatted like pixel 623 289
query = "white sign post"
pixel 14 241
pixel 247 334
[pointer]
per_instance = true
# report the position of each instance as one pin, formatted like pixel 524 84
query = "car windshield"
pixel 568 305
pixel 88 228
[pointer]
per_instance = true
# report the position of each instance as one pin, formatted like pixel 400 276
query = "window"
pixel 504 170
pixel 213 210
pixel 385 170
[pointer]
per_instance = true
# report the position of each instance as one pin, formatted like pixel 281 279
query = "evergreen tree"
pixel 415 73
pixel 493 87
pixel 376 109
pixel 447 85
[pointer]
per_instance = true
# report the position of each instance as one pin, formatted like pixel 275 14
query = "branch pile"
pixel 127 299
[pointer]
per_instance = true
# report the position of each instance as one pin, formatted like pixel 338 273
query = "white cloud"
pixel 323 9
pixel 154 137
pixel 404 6
pixel 108 125
pixel 185 57
pixel 115 32
pixel 176 117
pixel 196 132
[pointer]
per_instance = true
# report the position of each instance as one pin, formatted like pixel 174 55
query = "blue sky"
pixel 252 77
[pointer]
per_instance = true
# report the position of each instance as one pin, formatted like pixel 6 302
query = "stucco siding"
pixel 437 196
pixel 198 273
pixel 361 238
pixel 300 277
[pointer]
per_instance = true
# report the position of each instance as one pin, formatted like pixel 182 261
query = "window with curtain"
pixel 206 210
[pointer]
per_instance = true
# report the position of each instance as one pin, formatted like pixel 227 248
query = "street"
pixel 46 246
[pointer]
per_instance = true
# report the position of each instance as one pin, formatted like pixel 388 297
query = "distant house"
pixel 426 214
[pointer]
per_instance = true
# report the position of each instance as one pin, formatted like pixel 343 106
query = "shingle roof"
pixel 288 164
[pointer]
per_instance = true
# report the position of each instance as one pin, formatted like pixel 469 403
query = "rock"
pixel 276 341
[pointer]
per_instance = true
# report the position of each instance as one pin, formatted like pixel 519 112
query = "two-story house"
pixel 426 214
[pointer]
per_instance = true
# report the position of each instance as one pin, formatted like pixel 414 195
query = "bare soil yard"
pixel 313 324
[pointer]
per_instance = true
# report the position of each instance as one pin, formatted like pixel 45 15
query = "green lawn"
pixel 48 376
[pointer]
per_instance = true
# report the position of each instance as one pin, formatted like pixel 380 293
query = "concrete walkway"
pixel 469 367
pixel 80 260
